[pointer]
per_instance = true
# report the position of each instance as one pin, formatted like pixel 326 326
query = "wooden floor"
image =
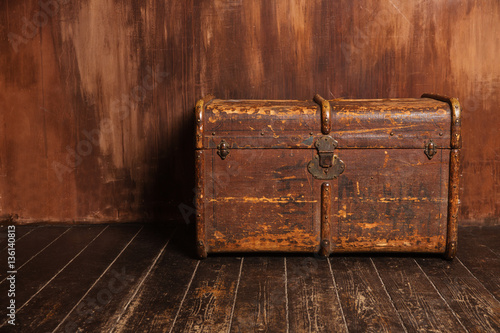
pixel 144 278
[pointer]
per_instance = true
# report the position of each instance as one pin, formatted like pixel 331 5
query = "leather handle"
pixel 325 114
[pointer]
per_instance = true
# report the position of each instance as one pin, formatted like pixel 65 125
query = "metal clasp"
pixel 326 165
pixel 430 149
pixel 222 149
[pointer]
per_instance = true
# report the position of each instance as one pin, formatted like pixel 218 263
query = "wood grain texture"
pixel 314 305
pixel 133 74
pixel 391 200
pixel 416 300
pixel 56 299
pixel 208 303
pixel 260 304
pixel 480 260
pixel 474 305
pixel 261 200
pixel 366 305
pixel 102 305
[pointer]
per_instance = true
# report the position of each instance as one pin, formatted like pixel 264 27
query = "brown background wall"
pixel 97 95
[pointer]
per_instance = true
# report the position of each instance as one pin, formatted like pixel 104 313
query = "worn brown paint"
pixel 392 195
pixel 91 53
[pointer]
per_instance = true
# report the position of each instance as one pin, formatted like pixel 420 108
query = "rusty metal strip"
pixel 201 242
pixel 456 114
pixel 325 246
pixel 453 204
pixel 326 124
pixel 199 113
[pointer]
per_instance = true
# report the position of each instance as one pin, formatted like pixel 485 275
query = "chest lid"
pixel 353 123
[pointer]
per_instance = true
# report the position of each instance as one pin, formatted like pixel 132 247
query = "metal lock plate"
pixel 326 165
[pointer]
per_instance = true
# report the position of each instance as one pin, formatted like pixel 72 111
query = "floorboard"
pixel 260 305
pixel 366 304
pixel 418 303
pixel 312 297
pixel 480 260
pixel 209 302
pixel 120 281
pixel 39 271
pixel 27 248
pixel 475 306
pixel 56 299
pixel 146 278
pixel 155 305
pixel 21 231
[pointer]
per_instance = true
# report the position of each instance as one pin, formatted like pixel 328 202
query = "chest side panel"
pixel 391 200
pixel 261 200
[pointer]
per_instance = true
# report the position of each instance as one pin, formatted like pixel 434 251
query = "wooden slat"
pixel 57 298
pixel 366 304
pixel 208 303
pixel 418 303
pixel 29 246
pixel 155 305
pixel 21 231
pixel 90 315
pixel 488 236
pixel 46 265
pixel 479 259
pixel 475 306
pixel 312 298
pixel 261 300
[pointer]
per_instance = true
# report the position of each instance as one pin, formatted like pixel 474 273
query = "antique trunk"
pixel 367 175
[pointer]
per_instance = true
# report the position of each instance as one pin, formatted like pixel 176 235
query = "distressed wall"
pixel 96 96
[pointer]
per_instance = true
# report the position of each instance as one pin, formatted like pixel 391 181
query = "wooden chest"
pixel 322 176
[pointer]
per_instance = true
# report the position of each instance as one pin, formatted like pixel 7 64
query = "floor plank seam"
pixel 388 295
pixel 26 234
pixel 184 297
pixel 27 261
pixel 58 272
pixel 235 295
pixel 97 280
pixel 150 268
pixel 467 269
pixel 440 295
pixel 337 294
pixel 286 298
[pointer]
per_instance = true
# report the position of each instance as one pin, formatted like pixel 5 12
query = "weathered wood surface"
pixel 388 123
pixel 313 303
pixel 391 200
pixel 261 200
pixel 480 259
pixel 53 90
pixel 419 304
pixel 474 305
pixel 261 302
pixel 365 302
pixel 69 285
pixel 208 305
pixel 265 294
pixel 156 303
pixel 97 310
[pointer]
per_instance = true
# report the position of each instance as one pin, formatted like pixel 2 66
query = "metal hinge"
pixel 326 165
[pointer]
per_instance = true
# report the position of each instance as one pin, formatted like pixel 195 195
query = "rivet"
pixel 311 133
pixel 261 133
pixel 213 133
pixel 198 215
pixel 440 133
pixel 371 177
pixel 392 133
pixel 326 217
